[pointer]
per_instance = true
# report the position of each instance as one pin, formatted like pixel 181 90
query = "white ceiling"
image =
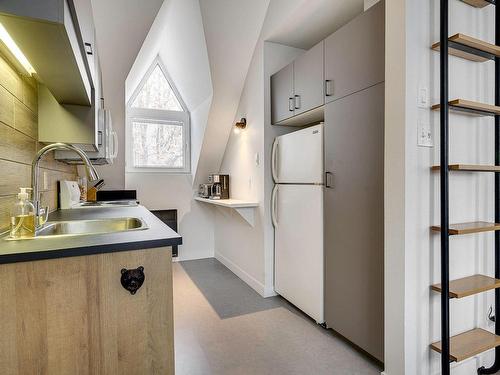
pixel 310 21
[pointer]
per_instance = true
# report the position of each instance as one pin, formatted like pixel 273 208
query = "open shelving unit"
pixel 246 209
pixel 478 340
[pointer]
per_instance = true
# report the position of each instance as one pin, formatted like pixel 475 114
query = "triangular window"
pixel 156 93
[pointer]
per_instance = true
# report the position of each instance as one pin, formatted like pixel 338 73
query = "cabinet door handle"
pixel 329 180
pixel 88 49
pixel 328 87
pixel 297 101
pixel 291 104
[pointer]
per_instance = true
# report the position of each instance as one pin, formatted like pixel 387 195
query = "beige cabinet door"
pixel 308 79
pixel 354 218
pixel 355 55
pixel 282 103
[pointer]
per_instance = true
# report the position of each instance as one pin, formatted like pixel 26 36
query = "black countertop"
pixel 157 235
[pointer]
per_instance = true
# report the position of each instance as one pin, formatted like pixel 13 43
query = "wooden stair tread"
pixel 470 106
pixel 469 167
pixel 470 285
pixel 469 41
pixel 469 344
pixel 467 228
pixel 477 3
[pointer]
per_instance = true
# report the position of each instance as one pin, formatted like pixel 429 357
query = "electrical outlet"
pixel 257 159
pixel 424 134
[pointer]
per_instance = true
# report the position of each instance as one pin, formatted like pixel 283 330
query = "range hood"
pixel 48 34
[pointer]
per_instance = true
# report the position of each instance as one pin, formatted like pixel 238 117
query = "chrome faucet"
pixel 89 168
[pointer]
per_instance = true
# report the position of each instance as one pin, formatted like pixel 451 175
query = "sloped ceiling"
pixel 310 21
pixel 232 28
pixel 121 27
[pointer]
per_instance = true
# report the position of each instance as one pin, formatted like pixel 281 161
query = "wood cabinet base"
pixel 73 316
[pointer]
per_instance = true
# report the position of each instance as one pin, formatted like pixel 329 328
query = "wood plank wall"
pixel 19 143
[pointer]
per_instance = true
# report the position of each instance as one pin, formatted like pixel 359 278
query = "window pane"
pixel 158 144
pixel 157 93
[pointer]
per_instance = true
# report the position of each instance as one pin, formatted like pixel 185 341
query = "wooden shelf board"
pixel 470 48
pixel 470 106
pixel 469 344
pixel 469 168
pixel 477 3
pixel 467 228
pixel 470 285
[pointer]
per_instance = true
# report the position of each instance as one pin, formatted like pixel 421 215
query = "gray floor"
pixel 223 327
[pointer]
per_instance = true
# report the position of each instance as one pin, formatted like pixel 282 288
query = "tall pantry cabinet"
pixel 354 197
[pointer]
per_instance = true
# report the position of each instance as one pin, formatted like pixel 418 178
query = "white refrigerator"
pixel 297 216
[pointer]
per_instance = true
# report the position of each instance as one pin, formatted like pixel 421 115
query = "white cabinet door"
pixel 282 103
pixel 298 157
pixel 308 79
pixel 299 247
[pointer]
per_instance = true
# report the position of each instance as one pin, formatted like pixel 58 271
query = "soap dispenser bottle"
pixel 22 218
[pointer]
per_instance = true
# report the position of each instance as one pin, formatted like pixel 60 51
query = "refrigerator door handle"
pixel 274 216
pixel 329 180
pixel 274 160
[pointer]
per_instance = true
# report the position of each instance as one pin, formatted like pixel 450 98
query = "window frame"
pixel 156 116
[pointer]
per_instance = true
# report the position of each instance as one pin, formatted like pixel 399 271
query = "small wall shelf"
pixel 469 286
pixel 479 3
pixel 469 168
pixel 467 228
pixel 469 344
pixel 244 208
pixel 470 48
pixel 480 109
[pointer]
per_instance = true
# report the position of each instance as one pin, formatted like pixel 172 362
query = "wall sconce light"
pixel 240 125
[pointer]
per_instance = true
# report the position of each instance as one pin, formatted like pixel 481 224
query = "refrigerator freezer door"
pixel 299 247
pixel 298 157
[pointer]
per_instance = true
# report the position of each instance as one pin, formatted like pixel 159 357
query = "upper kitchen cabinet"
pixel 354 55
pixel 282 99
pixel 57 38
pixel 85 20
pixel 297 90
pixel 308 80
pixel 48 33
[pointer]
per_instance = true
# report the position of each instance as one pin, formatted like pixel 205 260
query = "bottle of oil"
pixel 22 218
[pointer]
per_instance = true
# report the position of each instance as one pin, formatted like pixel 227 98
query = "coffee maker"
pixel 220 186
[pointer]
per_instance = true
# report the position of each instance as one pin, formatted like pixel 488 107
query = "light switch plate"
pixel 423 97
pixel 424 136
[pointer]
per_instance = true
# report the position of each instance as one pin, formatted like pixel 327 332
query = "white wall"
pixel 119 37
pixel 246 250
pixel 177 36
pixel 412 195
